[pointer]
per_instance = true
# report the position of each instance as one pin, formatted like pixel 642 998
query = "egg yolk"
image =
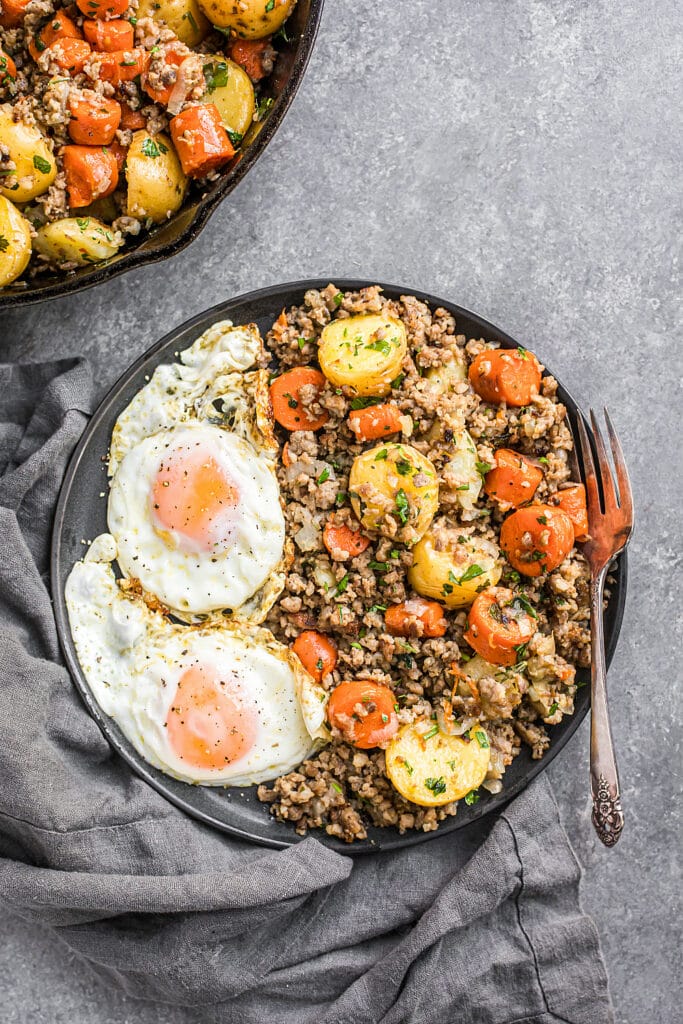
pixel 208 726
pixel 192 496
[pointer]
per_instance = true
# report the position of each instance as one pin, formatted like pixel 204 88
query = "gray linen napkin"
pixel 480 926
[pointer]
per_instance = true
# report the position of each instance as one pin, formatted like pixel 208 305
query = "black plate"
pixel 80 513
pixel 169 238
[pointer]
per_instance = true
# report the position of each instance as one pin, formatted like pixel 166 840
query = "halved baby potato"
pixel 394 491
pixel 35 165
pixel 431 768
pixel 15 242
pixel 364 352
pixel 230 89
pixel 452 565
pixel 251 19
pixel 156 181
pixel 448 374
pixel 81 240
pixel 460 472
pixel 184 17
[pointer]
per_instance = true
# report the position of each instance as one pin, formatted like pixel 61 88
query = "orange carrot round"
pixel 572 500
pixel 514 478
pixel 286 400
pixel 69 54
pixel 94 119
pixel 60 26
pixel 364 712
pixel 248 53
pixel 342 542
pixel 103 9
pixel 91 173
pixel 121 65
pixel 172 56
pixel 375 422
pixel 499 623
pixel 317 654
pixel 109 35
pixel 200 139
pixel 415 617
pixel 119 153
pixel 506 375
pixel 13 12
pixel 8 69
pixel 536 539
pixel 132 119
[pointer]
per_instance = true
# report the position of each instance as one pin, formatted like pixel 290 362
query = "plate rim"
pixel 137 763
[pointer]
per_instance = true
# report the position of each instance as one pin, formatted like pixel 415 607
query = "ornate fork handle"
pixel 608 817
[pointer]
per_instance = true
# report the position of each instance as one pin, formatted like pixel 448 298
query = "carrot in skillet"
pixel 375 422
pixel 119 153
pixel 94 119
pixel 200 140
pixel 317 654
pixel 60 26
pixel 248 53
pixel 572 500
pixel 536 539
pixel 342 542
pixel 364 712
pixel 91 173
pixel 415 617
pixel 131 119
pixel 284 391
pixel 506 375
pixel 121 65
pixel 172 55
pixel 513 479
pixel 102 9
pixel 69 54
pixel 8 69
pixel 499 623
pixel 109 35
pixel 13 12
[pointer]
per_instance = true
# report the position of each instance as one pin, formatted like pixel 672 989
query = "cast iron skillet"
pixel 169 238
pixel 82 514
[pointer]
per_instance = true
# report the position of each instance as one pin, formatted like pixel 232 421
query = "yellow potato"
pixel 460 474
pixel 365 352
pixel 80 240
pixel 431 768
pixel 448 374
pixel 36 167
pixel 15 242
pixel 184 17
pixel 230 88
pixel 156 182
pixel 453 566
pixel 251 19
pixel 394 491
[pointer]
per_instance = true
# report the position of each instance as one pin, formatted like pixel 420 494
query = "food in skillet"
pixel 111 109
pixel 424 577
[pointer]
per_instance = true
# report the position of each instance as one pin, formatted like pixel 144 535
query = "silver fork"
pixel 609 526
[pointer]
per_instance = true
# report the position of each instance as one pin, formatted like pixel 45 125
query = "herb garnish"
pixel 437 786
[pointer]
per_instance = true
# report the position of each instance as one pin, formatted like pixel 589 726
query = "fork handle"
pixel 608 817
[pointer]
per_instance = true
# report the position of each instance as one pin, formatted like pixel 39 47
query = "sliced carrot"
pixel 536 539
pixel 13 12
pixel 109 35
pixel 91 173
pixel 200 139
pixel 317 654
pixel 69 54
pixel 131 119
pixel 342 542
pixel 60 26
pixel 103 9
pixel 285 394
pixel 498 623
pixel 415 617
pixel 248 53
pixel 364 712
pixel 121 65
pixel 506 375
pixel 8 69
pixel 375 422
pixel 94 119
pixel 119 153
pixel 572 500
pixel 172 56
pixel 513 479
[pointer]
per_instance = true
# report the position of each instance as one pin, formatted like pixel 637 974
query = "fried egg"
pixel 217 703
pixel 194 504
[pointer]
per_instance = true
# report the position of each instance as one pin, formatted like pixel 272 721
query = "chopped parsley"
pixel 270 5
pixel 402 506
pixel 543 520
pixel 362 403
pixel 404 467
pixel 521 651
pixel 354 643
pixel 319 664
pixel 235 139
pixel 553 708
pixel 336 786
pixel 437 786
pixel 381 455
pixel 343 584
pixel 522 351
pixel 42 165
pixel 338 299
pixel 471 797
pixel 82 222
pixel 216 75
pixel 340 498
pixel 397 381
pixel 447 588
pixel 187 15
pixel 379 566
pixel 432 732
pixel 385 718
pixel 381 345
pixel 291 400
pixel 264 106
pixel 153 149
pixel 483 467
pixel 408 766
pixel 520 603
pixel 481 738
pixel 377 608
pixel 471 573
pixel 543 460
pixel 301 342
pixel 325 475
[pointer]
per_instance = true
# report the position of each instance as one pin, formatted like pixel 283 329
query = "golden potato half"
pixel 15 242
pixel 184 17
pixel 251 19
pixel 230 89
pixel 431 768
pixel 156 182
pixel 394 490
pixel 35 169
pixel 363 352
pixel 453 566
pixel 81 240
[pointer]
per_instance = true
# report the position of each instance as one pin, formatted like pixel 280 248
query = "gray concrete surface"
pixel 521 159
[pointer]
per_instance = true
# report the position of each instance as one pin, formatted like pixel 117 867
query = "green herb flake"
pixel 379 566
pixel 301 342
pixel 481 738
pixel 381 455
pixel 235 137
pixel 42 165
pixel 553 708
pixel 354 643
pixel 153 149
pixel 381 345
pixel 520 603
pixel 82 222
pixel 343 584
pixel 263 107
pixel 397 381
pixel 362 403
pixel 432 732
pixel 471 573
pixel 319 664
pixel 340 498
pixel 447 588
pixel 483 467
pixel 404 467
pixel 385 718
pixel 437 786
pixel 377 608
pixel 544 460
pixel 402 506
pixel 338 299
pixel 216 75
pixel 472 797
pixel 188 15
pixel 270 5
pixel 408 766
pixel 543 520
pixel 325 475
pixel 336 786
